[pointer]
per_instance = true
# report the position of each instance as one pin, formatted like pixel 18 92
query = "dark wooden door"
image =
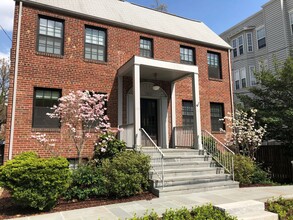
pixel 149 118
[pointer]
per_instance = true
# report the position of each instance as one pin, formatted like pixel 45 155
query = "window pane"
pixel 217 114
pixel 95 41
pixel 187 113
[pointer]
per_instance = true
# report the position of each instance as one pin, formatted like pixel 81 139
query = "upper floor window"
pixel 44 100
pixel 252 76
pixel 95 44
pixel 240 45
pixel 50 38
pixel 234 45
pixel 187 55
pixel 249 42
pixel 146 47
pixel 187 113
pixel 261 37
pixel 214 65
pixel 217 116
pixel 291 21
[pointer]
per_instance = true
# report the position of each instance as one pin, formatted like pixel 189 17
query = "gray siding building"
pixel 258 40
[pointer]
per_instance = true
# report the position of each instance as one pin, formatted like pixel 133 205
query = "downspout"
pixel 231 82
pixel 15 82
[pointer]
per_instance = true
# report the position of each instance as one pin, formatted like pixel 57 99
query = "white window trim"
pixel 243 70
pixel 251 75
pixel 238 44
pixel 237 77
pixel 251 42
pixel 256 30
pixel 291 21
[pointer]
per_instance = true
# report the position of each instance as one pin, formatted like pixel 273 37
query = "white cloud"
pixel 6 14
pixel 4 55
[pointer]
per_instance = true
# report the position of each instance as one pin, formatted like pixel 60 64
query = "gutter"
pixel 231 82
pixel 15 82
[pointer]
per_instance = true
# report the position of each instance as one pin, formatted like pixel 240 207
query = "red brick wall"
pixel 72 72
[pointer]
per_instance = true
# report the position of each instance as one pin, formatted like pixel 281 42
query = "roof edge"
pixel 128 26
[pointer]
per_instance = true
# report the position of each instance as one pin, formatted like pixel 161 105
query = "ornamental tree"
pixel 83 115
pixel 246 135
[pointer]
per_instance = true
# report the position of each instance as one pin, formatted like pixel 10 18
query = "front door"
pixel 149 118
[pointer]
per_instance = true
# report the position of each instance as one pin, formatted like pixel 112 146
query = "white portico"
pixel 142 94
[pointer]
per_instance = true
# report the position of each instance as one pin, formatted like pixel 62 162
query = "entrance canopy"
pixel 157 69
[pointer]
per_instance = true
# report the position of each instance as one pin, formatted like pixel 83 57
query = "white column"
pixel 136 93
pixel 173 108
pixel 196 113
pixel 120 100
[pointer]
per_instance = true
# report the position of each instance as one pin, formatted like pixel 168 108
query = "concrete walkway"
pixel 127 210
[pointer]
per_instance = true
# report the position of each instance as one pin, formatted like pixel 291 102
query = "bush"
pixel 35 182
pixel 283 207
pixel 87 182
pixel 126 174
pixel 198 212
pixel 108 146
pixel 246 171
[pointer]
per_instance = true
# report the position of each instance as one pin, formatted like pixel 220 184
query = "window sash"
pixel 217 113
pixel 187 55
pixel 261 38
pixel 44 100
pixel 50 36
pixel 146 47
pixel 234 45
pixel 240 45
pixel 214 65
pixel 249 42
pixel 187 113
pixel 252 76
pixel 95 44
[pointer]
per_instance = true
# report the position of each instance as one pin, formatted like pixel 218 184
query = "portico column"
pixel 173 116
pixel 196 113
pixel 120 100
pixel 136 104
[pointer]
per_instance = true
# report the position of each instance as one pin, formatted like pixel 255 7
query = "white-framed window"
pixel 261 37
pixel 243 77
pixel 249 42
pixel 236 79
pixel 252 76
pixel 240 45
pixel 291 21
pixel 234 45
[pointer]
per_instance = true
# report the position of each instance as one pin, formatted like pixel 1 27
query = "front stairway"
pixel 186 171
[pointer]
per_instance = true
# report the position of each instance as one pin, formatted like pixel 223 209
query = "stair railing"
pixel 157 156
pixel 220 153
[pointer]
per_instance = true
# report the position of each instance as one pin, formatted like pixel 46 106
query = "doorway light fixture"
pixel 156 87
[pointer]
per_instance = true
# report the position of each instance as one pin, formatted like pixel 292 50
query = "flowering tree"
pixel 246 136
pixel 83 115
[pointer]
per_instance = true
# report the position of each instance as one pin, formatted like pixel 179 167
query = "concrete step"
pixel 178 171
pixel 185 158
pixel 248 210
pixel 185 164
pixel 258 215
pixel 188 180
pixel 193 188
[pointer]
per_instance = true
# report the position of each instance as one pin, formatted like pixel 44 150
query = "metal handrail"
pixel 220 153
pixel 161 158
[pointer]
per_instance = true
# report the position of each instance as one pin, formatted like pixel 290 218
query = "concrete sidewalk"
pixel 127 210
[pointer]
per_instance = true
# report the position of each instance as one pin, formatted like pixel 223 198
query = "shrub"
pixel 108 146
pixel 35 182
pixel 283 207
pixel 198 212
pixel 126 174
pixel 246 171
pixel 87 182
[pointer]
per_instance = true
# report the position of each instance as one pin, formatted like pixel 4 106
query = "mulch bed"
pixel 10 210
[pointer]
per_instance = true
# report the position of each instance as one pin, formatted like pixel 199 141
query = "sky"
pixel 219 15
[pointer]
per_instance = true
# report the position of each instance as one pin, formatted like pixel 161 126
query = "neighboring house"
pixel 154 66
pixel 258 41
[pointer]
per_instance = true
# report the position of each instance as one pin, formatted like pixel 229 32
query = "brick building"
pixel 154 66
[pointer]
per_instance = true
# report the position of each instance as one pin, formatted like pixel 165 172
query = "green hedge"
pixel 283 207
pixel 35 182
pixel 126 174
pixel 205 212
